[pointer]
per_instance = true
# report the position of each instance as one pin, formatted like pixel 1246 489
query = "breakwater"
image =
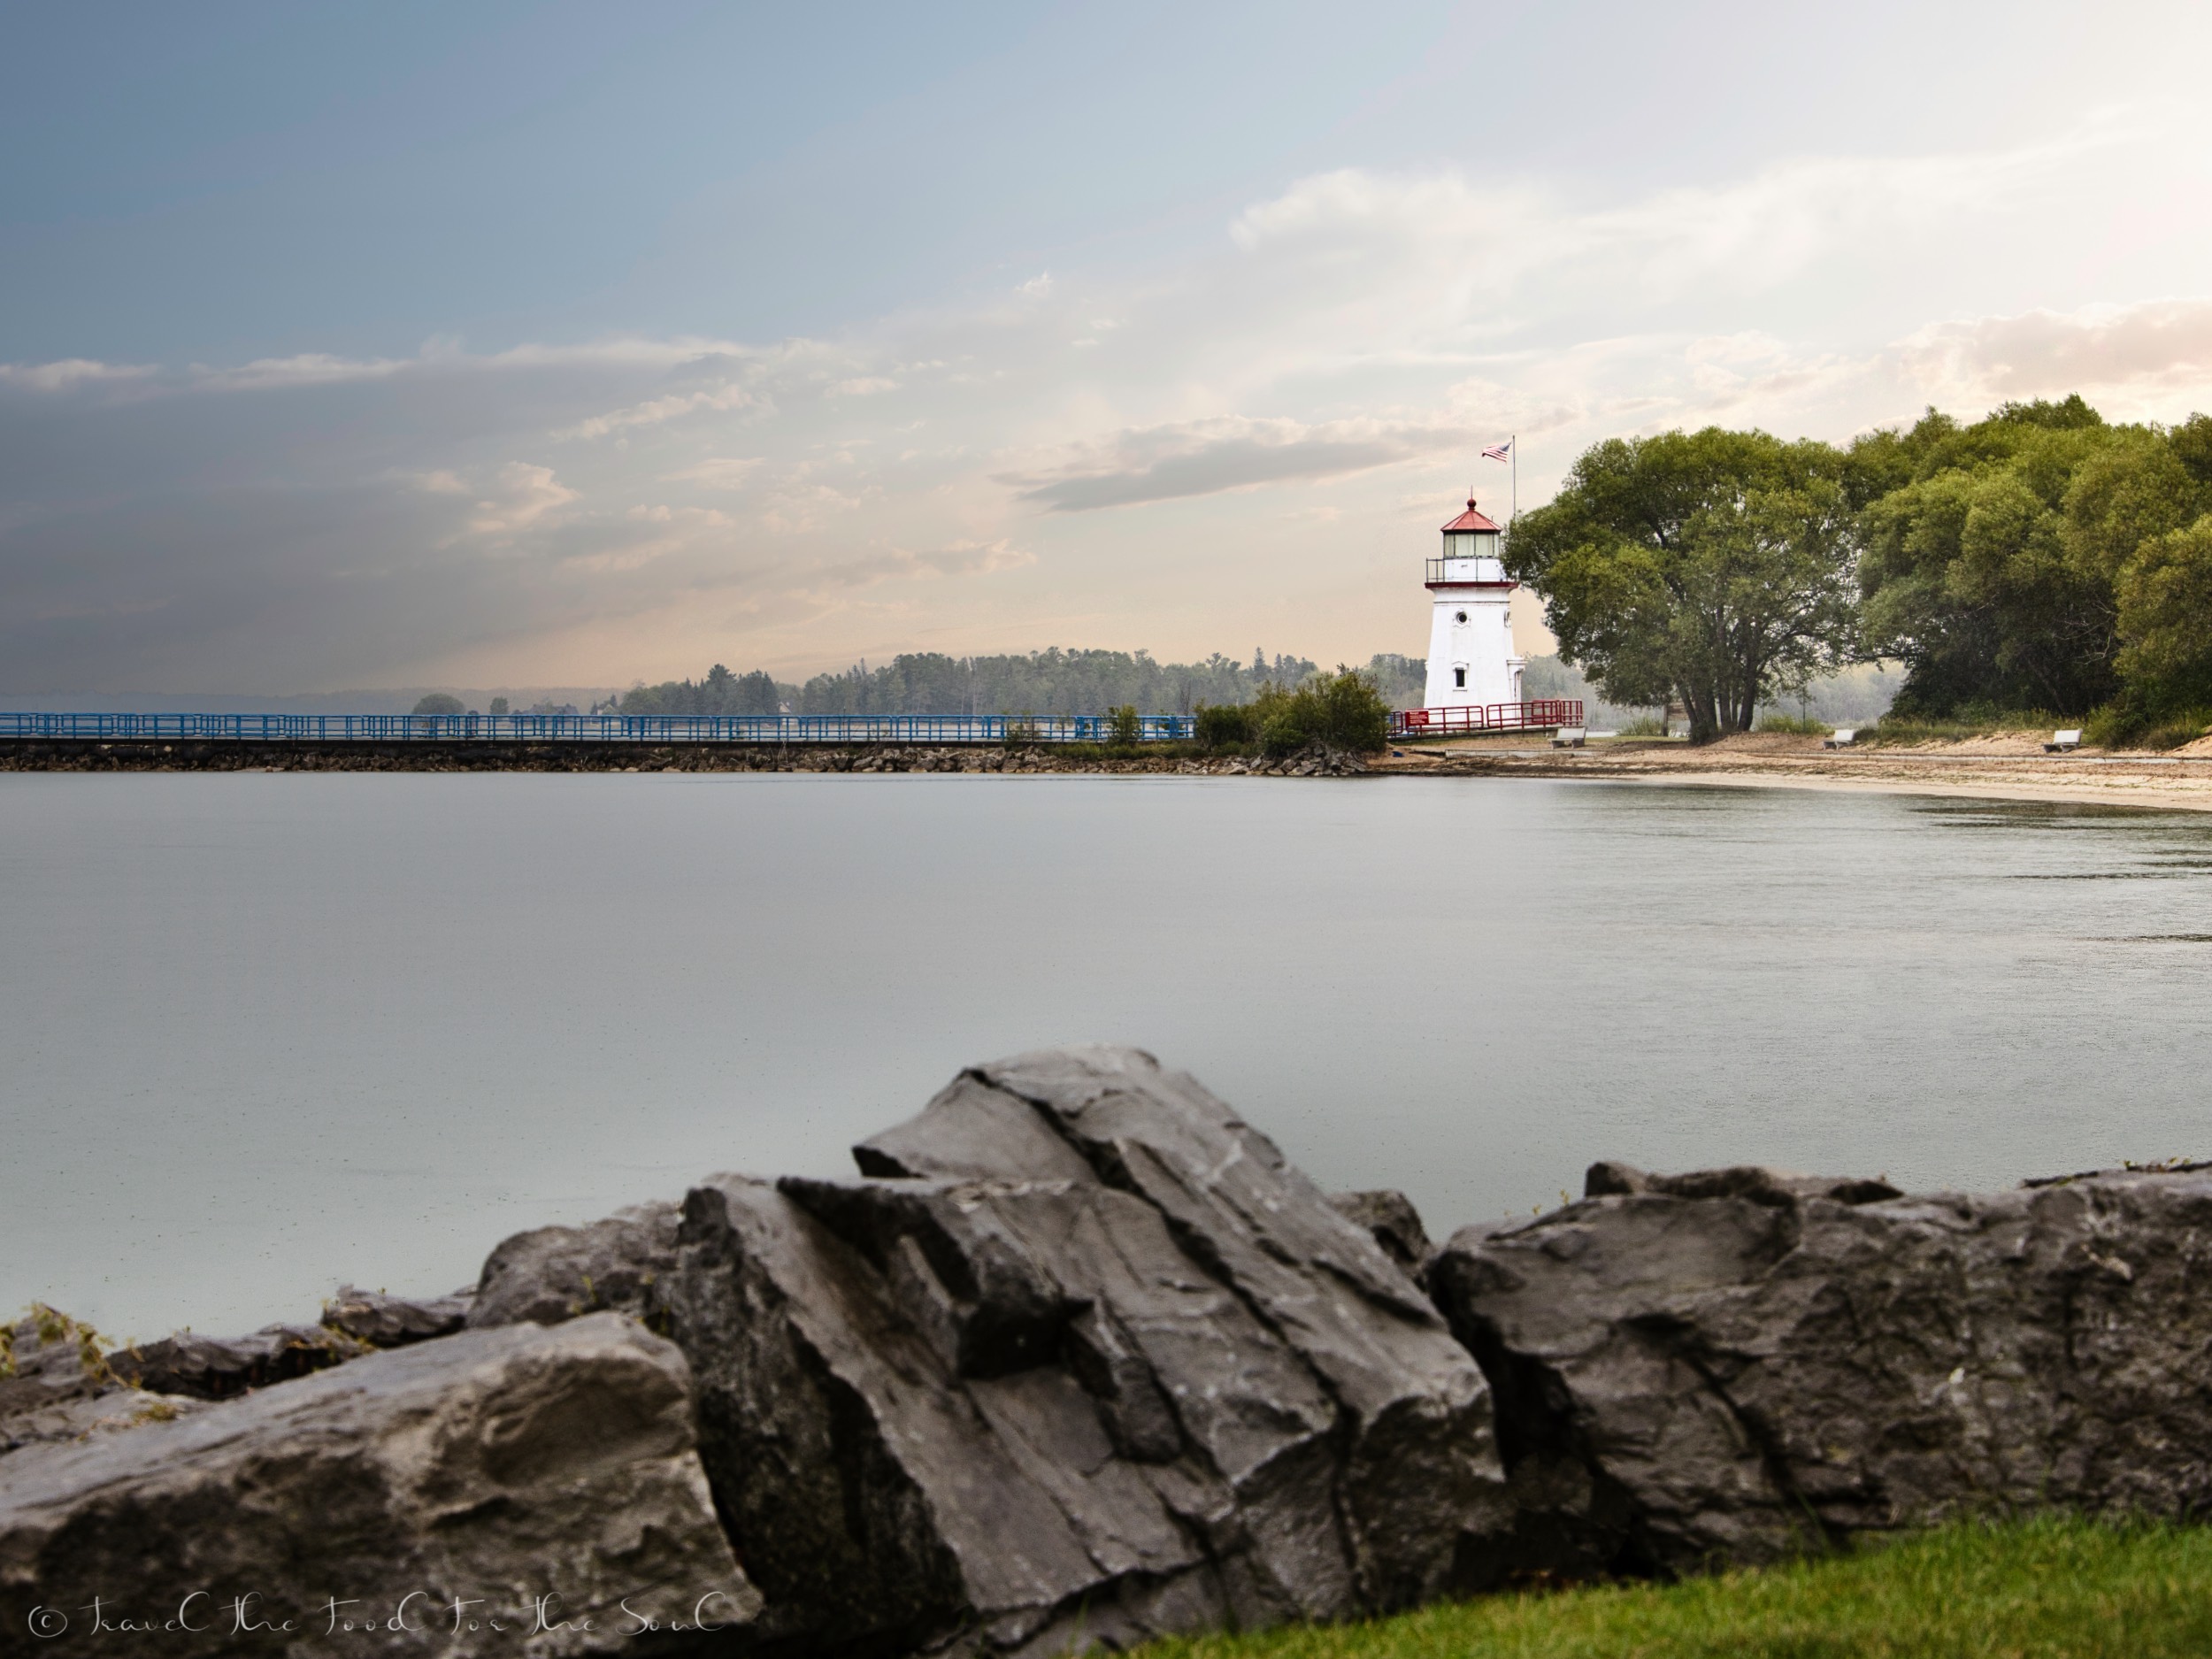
pixel 778 729
pixel 1080 1358
pixel 582 756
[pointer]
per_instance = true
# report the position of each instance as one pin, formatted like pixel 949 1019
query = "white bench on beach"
pixel 1569 737
pixel 1841 738
pixel 2064 742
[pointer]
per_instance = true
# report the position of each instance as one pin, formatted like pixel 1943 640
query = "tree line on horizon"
pixel 2038 561
pixel 1046 682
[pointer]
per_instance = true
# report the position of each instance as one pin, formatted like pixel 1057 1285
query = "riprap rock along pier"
pixel 1078 1358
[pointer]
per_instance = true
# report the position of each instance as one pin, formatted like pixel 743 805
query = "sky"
pixel 550 345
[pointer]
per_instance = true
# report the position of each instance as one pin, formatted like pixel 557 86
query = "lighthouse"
pixel 1472 664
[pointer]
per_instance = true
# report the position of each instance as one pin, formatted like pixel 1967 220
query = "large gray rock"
pixel 553 1273
pixel 1080 1359
pixel 492 1468
pixel 1736 1364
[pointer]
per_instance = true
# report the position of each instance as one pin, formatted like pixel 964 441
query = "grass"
pixel 1896 729
pixel 2174 733
pixel 2117 726
pixel 2048 1587
pixel 1793 724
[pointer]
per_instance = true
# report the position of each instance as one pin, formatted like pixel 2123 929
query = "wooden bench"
pixel 1570 737
pixel 2064 742
pixel 1842 738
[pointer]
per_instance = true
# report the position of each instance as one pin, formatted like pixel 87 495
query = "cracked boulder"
pixel 418 1500
pixel 1737 1365
pixel 1079 1359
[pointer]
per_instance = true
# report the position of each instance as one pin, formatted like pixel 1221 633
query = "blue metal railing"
pixel 598 728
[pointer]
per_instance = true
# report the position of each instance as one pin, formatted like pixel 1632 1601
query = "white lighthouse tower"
pixel 1472 664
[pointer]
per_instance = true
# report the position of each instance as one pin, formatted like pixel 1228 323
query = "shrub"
pixel 1127 728
pixel 439 702
pixel 2125 722
pixel 1340 711
pixel 1972 720
pixel 1645 725
pixel 1226 726
pixel 1794 725
pixel 2174 733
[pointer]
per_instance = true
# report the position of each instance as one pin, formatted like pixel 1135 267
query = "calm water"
pixel 265 1032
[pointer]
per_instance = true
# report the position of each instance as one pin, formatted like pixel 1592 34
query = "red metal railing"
pixel 1540 715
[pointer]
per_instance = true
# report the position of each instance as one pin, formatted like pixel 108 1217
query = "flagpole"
pixel 1516 513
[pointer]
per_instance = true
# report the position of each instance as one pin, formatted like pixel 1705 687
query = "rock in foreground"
pixel 1080 1359
pixel 489 1468
pixel 1735 1364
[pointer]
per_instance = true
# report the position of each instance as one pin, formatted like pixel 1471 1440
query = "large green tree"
pixel 1994 564
pixel 1711 567
pixel 2165 621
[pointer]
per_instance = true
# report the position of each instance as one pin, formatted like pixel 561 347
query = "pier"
pixel 933 730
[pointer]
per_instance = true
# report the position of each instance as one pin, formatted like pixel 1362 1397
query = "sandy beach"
pixel 2009 766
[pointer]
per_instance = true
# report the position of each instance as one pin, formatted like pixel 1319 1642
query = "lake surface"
pixel 269 1032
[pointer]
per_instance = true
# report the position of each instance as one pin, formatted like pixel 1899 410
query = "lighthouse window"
pixel 1459 679
pixel 1460 617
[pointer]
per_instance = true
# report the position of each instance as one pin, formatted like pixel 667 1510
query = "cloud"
pixel 439 359
pixel 720 471
pixel 1233 452
pixel 973 558
pixel 308 368
pixel 662 513
pixel 1747 232
pixel 655 411
pixel 2153 345
pixel 890 562
pixel 70 371
pixel 1356 269
pixel 865 386
pixel 528 497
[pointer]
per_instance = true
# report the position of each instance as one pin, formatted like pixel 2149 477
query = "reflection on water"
pixel 268 1032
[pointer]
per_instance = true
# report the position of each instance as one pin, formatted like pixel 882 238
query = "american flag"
pixel 1498 451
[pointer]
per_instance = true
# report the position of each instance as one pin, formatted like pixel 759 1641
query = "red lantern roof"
pixel 1470 521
